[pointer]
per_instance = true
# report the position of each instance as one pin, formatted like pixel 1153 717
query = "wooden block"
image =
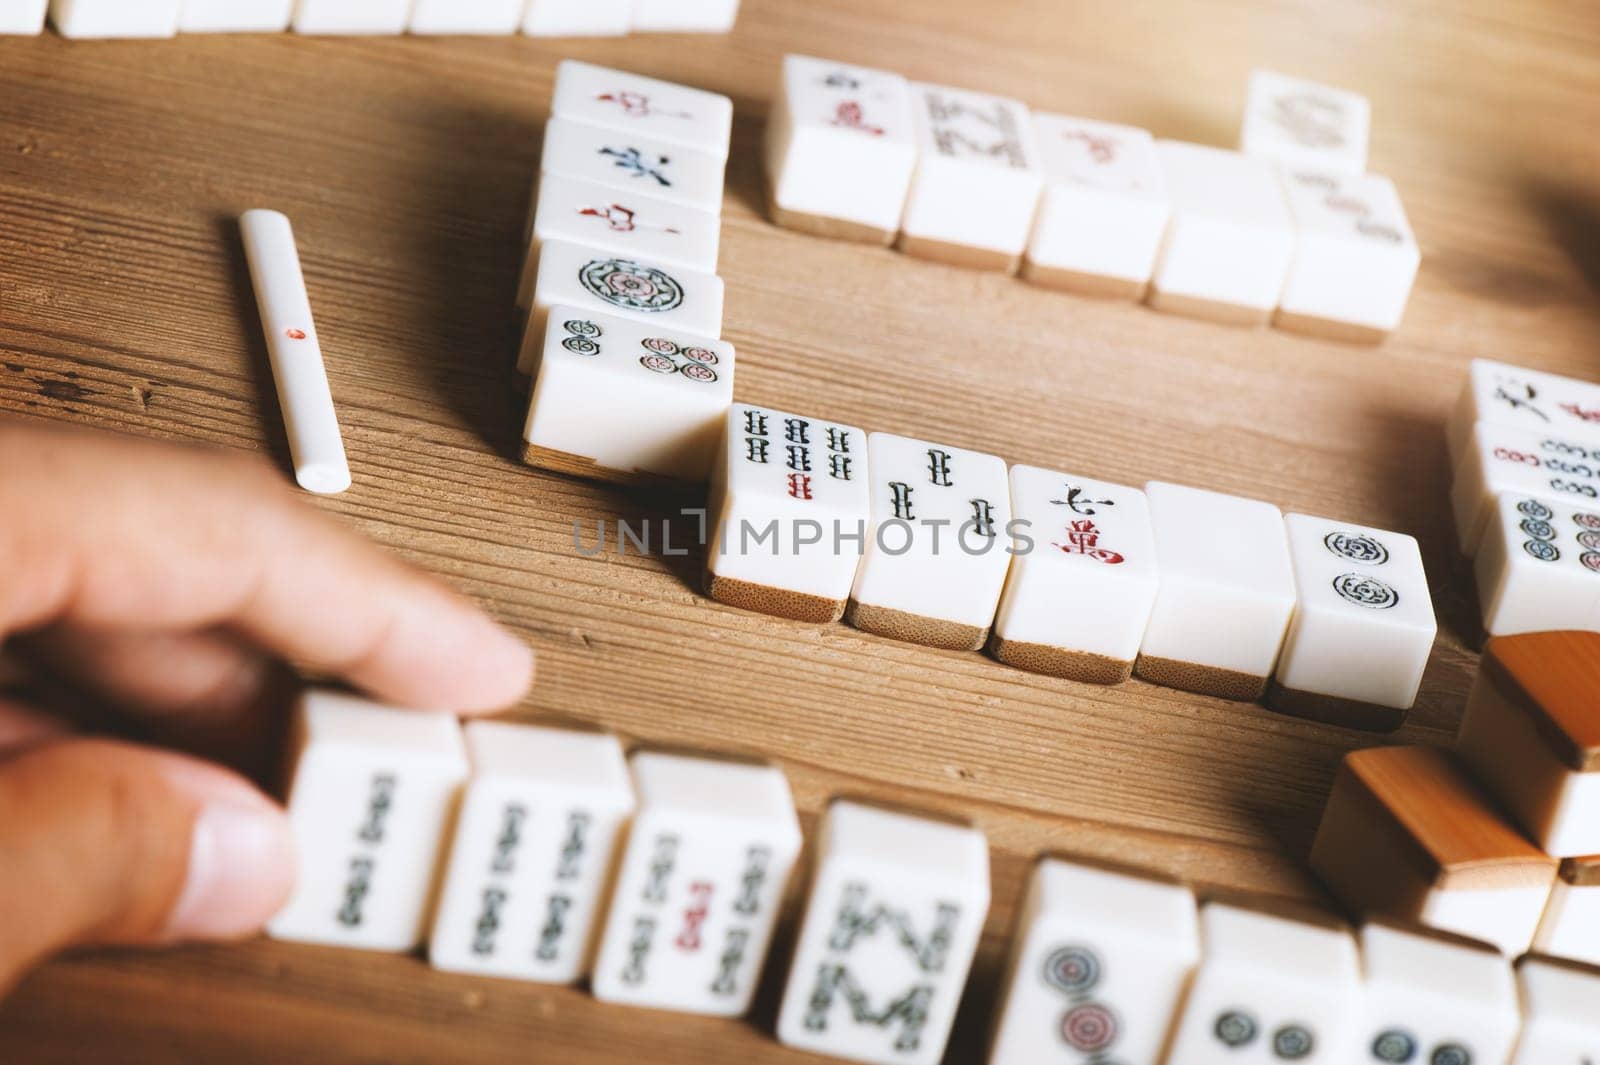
pixel 1301 123
pixel 1355 256
pixel 593 281
pixel 1083 577
pixel 115 18
pixel 1362 597
pixel 1412 1012
pixel 1230 240
pixel 1098 968
pixel 706 864
pixel 1104 209
pixel 364 17
pixel 1571 925
pixel 1226 593
pixel 840 150
pixel 634 163
pixel 372 794
pixel 578 18
pixel 635 105
pixel 1560 1023
pixel 1407 834
pixel 1275 983
pixel 1531 733
pixel 936 554
pixel 977 182
pixel 1538 567
pixel 896 908
pixel 1524 399
pixel 789 508
pixel 235 16
pixel 1501 459
pixel 535 844
pixel 632 399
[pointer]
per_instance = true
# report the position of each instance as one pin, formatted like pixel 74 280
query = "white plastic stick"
pixel 314 441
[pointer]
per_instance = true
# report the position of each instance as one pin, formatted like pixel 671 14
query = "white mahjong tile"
pixel 897 905
pixel 1501 458
pixel 937 548
pixel 1355 256
pixel 696 900
pixel 1560 1024
pixel 1104 209
pixel 1527 399
pixel 593 279
pixel 371 796
pixel 578 18
pixel 840 149
pixel 628 397
pixel 633 163
pixel 544 815
pixel 466 16
pixel 1270 989
pixel 22 17
pixel 648 107
pixel 115 18
pixel 1098 968
pixel 977 182
pixel 684 16
pixel 1538 567
pixel 235 16
pixel 1083 579
pixel 1363 625
pixel 1226 595
pixel 351 16
pixel 1230 239
pixel 1302 123
pixel 788 508
pixel 1571 924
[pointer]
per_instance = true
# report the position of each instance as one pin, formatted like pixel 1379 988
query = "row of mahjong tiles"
pixel 536 18
pixel 659 877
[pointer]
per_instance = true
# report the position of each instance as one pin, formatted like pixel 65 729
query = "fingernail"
pixel 241 869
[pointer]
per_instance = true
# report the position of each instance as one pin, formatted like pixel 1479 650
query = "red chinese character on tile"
pixel 1581 414
pixel 1101 149
pixel 1083 538
pixel 637 105
pixel 848 115
pixel 800 485
pixel 620 219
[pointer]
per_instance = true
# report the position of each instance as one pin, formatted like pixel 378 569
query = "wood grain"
pixel 406 165
pixel 1554 678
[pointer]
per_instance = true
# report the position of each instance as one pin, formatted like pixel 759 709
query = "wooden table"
pixel 406 164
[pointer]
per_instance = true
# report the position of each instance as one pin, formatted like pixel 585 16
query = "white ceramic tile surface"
pixel 1355 256
pixel 539 828
pixel 372 794
pixel 635 105
pixel 1503 458
pixel 373 17
pixel 1303 123
pixel 578 18
pixel 467 16
pixel 115 18
pixel 712 847
pixel 632 163
pixel 1528 399
pixel 22 17
pixel 1571 924
pixel 235 16
pixel 684 16
pixel 896 908
pixel 1538 566
pixel 1560 1024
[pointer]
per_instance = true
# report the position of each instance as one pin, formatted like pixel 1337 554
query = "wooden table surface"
pixel 406 164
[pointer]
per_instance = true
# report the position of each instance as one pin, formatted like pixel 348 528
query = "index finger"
pixel 114 532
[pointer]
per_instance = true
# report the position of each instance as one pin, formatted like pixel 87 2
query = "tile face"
pixel 1355 256
pixel 1524 399
pixel 594 280
pixel 635 105
pixel 1230 239
pixel 615 398
pixel 1104 208
pixel 896 908
pixel 351 16
pixel 1538 567
pixel 1083 579
pixel 1098 969
pixel 371 797
pixel 1571 924
pixel 1408 834
pixel 1560 1024
pixel 115 18
pixel 632 163
pixel 22 17
pixel 977 182
pixel 466 16
pixel 1227 592
pixel 1499 458
pixel 1531 734
pixel 235 16
pixel 1410 1014
pixel 696 900
pixel 1269 989
pixel 632 227
pixel 789 508
pixel 684 16
pixel 1362 597
pixel 937 550
pixel 539 829
pixel 840 150
pixel 578 18
pixel 1301 123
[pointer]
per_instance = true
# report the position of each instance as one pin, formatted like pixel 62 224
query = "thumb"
pixel 105 842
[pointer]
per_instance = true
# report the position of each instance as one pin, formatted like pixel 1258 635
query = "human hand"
pixel 165 589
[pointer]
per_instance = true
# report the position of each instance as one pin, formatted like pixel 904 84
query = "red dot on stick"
pixel 295 334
